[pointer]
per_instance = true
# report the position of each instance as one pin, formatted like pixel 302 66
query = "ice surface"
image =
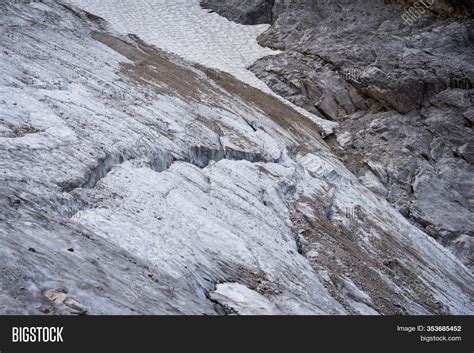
pixel 127 194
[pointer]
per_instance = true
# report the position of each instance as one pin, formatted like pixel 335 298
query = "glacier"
pixel 133 182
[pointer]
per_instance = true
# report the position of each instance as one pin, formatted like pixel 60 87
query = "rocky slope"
pixel 398 78
pixel 133 182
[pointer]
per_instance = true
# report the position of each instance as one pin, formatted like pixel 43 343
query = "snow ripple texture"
pixel 184 28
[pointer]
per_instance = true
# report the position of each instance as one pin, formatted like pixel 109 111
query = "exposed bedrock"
pixel 243 11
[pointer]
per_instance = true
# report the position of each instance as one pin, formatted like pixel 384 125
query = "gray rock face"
pixel 243 11
pixel 133 182
pixel 398 77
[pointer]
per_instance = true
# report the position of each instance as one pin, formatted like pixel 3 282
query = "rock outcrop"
pixel 249 12
pixel 398 78
pixel 133 182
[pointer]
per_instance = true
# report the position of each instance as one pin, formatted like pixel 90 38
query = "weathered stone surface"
pixel 249 12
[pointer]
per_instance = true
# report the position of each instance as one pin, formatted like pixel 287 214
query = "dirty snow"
pixel 184 28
